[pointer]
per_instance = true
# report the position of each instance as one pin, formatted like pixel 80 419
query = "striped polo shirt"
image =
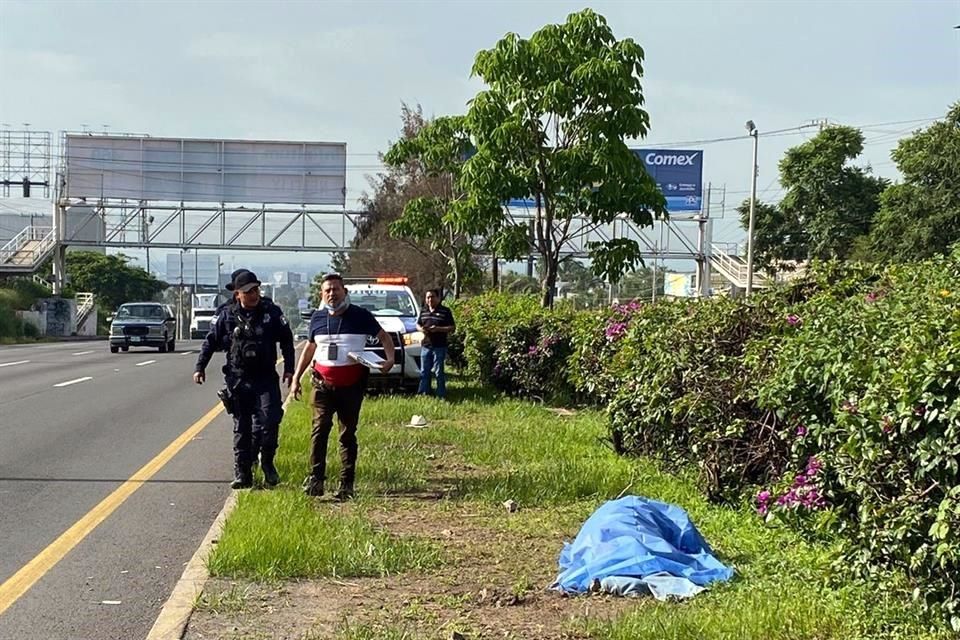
pixel 335 337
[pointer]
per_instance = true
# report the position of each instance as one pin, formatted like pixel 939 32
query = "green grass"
pixel 559 470
pixel 374 632
pixel 282 534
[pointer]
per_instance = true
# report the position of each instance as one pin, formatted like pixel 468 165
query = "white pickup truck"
pixel 204 307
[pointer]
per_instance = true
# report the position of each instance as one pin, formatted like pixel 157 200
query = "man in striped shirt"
pixel 336 329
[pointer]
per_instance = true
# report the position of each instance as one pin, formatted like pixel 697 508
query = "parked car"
pixel 301 333
pixel 143 324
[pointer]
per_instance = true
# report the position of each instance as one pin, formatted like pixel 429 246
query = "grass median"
pixel 428 529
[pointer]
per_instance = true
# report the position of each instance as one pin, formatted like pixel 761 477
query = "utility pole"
pixel 752 130
pixel 703 251
pixel 180 302
pixel 653 278
pixel 145 221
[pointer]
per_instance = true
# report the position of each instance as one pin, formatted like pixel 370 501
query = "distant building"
pixel 287 278
pixel 199 269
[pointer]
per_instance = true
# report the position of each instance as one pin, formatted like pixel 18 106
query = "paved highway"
pixel 76 423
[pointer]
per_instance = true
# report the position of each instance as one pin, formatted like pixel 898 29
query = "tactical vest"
pixel 246 355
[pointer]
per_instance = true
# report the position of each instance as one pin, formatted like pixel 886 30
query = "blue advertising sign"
pixel 677 172
pixel 679 175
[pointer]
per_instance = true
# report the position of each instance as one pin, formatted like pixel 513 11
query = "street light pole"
pixel 752 129
pixel 180 302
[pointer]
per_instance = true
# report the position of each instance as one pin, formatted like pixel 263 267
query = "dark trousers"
pixel 431 362
pixel 345 402
pixel 256 419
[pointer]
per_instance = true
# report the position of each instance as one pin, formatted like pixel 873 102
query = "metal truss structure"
pixel 25 161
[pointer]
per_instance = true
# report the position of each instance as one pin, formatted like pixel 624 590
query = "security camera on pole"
pixel 752 130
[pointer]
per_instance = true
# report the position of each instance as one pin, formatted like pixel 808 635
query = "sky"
pixel 337 71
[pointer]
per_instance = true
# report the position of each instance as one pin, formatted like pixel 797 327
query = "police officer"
pixel 248 330
pixel 229 287
pixel 257 435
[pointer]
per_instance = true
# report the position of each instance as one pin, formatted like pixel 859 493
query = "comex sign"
pixel 679 175
pixel 658 159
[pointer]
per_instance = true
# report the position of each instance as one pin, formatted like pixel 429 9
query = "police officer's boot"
pixel 313 486
pixel 344 492
pixel 270 475
pixel 242 479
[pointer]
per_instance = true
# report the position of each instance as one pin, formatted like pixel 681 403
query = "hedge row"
pixel 832 403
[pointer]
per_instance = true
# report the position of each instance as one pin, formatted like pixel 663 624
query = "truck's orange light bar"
pixel 392 280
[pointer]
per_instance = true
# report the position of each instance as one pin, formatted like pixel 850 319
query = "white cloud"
pixel 43 62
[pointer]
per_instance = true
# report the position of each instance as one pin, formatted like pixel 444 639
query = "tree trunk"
pixel 549 283
pixel 455 266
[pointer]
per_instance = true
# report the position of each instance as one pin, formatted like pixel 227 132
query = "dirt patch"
pixel 493 584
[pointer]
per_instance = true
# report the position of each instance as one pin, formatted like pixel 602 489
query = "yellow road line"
pixel 27 576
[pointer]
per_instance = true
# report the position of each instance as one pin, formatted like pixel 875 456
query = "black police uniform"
pixel 221 310
pixel 249 338
pixel 257 448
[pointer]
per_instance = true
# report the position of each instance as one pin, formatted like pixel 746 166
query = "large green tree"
pixel 111 278
pixel 551 127
pixel 377 251
pixel 777 237
pixel 829 202
pixel 920 217
pixel 434 159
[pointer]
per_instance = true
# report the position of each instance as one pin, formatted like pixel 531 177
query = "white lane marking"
pixel 75 381
pixel 81 353
pixel 145 362
pixel 185 353
pixel 10 364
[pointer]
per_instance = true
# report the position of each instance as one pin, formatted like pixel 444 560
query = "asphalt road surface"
pixel 76 423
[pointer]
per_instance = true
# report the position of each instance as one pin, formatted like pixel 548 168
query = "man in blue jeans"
pixel 436 323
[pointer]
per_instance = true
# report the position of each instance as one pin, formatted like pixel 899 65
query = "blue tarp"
pixel 636 545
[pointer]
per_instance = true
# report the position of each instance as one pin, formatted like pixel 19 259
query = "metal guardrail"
pixel 84 306
pixel 20 255
pixel 734 269
pixel 13 246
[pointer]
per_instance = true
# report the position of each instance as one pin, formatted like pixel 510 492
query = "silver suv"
pixel 143 324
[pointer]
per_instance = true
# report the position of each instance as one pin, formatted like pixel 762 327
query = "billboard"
pixel 198 269
pixel 679 285
pixel 679 175
pixel 201 170
pixel 82 223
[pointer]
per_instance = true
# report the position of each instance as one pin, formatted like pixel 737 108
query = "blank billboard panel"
pixel 192 170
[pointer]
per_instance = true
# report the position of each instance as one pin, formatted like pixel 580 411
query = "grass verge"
pixel 429 506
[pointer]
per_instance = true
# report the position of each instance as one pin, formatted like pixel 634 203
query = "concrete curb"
pixel 176 611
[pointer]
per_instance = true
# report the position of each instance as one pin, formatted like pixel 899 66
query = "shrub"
pixel 833 403
pixel 868 382
pixel 681 393
pixel 512 343
pixel 18 294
